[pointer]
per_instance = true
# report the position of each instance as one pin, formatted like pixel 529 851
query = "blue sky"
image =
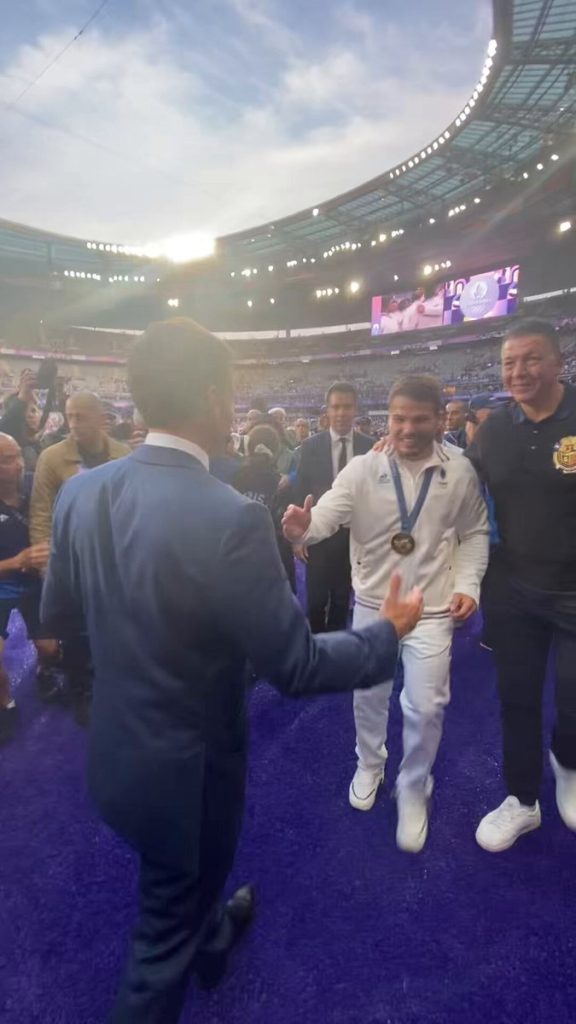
pixel 167 117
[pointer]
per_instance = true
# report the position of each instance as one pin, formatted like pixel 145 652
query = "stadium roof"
pixel 523 104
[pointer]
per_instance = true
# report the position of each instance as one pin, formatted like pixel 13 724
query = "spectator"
pixel 302 430
pixel 20 585
pixel 259 479
pixel 456 424
pixel 21 420
pixel 87 446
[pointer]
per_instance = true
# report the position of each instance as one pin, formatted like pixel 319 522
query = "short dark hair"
pixel 341 388
pixel 420 387
pixel 171 368
pixel 536 325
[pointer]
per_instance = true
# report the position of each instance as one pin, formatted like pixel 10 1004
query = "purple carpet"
pixel 350 931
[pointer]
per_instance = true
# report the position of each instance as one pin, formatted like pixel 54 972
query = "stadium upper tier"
pixel 523 106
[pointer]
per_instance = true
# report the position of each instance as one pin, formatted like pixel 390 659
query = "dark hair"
pixel 420 387
pixel 266 435
pixel 171 368
pixel 534 325
pixel 341 388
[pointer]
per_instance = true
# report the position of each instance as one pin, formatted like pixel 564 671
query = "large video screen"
pixel 407 311
pixel 491 294
pixel 494 293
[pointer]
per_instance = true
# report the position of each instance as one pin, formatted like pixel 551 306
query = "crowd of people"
pixel 154 585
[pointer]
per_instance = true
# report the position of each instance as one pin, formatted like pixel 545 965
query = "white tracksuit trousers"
pixel 425 655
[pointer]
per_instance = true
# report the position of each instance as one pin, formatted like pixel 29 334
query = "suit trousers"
pixel 181 915
pixel 425 654
pixel 328 583
pixel 526 625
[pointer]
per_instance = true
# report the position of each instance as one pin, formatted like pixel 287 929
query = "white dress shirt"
pixel 337 449
pixel 451 534
pixel 160 440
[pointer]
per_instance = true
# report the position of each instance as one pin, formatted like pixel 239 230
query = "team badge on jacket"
pixel 565 454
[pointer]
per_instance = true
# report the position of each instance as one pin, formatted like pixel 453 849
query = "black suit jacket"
pixel 178 580
pixel 315 473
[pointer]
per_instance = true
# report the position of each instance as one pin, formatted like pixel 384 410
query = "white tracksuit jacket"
pixel 451 533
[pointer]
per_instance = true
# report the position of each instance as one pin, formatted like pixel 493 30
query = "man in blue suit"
pixel 322 457
pixel 177 579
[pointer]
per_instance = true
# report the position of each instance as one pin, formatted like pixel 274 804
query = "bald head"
pixel 11 464
pixel 86 420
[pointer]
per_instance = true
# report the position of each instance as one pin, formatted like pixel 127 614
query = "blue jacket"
pixel 178 581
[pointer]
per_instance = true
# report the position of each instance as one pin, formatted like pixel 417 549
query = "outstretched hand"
pixel 297 520
pixel 403 613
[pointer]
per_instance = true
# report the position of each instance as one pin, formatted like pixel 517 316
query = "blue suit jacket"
pixel 178 581
pixel 315 474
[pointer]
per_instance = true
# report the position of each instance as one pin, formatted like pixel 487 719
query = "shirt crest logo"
pixel 565 455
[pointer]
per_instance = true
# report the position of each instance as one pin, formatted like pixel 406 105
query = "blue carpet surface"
pixel 350 930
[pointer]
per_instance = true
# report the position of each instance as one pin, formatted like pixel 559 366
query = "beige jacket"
pixel 56 465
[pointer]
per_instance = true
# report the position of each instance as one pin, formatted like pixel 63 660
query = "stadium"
pixel 421 270
pixel 493 194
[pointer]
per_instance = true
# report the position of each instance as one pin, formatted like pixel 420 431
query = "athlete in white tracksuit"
pixel 448 562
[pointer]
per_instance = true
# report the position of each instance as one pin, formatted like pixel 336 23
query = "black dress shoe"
pixel 211 966
pixel 50 686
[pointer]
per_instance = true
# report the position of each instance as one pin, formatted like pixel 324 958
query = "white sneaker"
pixel 565 792
pixel 500 829
pixel 364 788
pixel 412 830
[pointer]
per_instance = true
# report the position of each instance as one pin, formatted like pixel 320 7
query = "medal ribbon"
pixel 409 519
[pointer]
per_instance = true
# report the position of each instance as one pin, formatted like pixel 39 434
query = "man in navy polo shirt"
pixel 20 584
pixel 526 454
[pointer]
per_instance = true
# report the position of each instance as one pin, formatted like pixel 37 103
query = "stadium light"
pixel 315 211
pixel 476 200
pixel 174 303
pixel 396 277
pixel 525 175
pixel 432 220
pixel 182 248
pixel 565 225
pixel 492 47
pixel 249 303
pixel 539 167
pixel 272 301
pixel 427 270
pixel 354 287
pixel 554 156
pixel 270 268
pixel 232 273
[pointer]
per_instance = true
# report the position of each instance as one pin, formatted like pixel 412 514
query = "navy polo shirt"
pixel 14 537
pixel 530 471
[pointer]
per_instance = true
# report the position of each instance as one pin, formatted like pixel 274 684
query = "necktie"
pixel 343 457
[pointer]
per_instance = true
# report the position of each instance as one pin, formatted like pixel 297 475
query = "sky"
pixel 177 116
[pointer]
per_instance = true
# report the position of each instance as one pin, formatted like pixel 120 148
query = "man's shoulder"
pixel 57 452
pixel 315 441
pixel 312 446
pixel 117 449
pixel 362 442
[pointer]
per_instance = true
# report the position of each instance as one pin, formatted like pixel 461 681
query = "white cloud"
pixel 149 141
